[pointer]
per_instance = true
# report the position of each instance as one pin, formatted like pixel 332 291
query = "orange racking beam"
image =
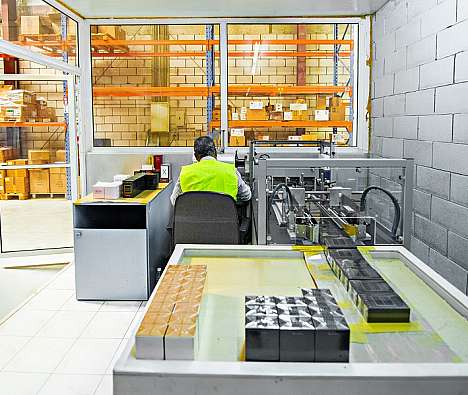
pixel 31 124
pixel 235 54
pixel 288 124
pixel 248 90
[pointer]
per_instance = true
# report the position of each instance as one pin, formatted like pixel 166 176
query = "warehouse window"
pixel 154 85
pixel 39 27
pixel 290 81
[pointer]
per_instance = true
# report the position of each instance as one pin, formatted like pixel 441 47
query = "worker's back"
pixel 209 175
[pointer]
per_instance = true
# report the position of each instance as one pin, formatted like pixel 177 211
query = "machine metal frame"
pixel 291 167
pixel 209 377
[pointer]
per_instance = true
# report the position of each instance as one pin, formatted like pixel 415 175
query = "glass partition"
pixel 154 85
pixel 291 81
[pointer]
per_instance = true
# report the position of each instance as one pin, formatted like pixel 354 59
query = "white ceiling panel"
pixel 228 8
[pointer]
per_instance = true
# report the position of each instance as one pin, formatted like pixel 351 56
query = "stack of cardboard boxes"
pixel 19 105
pixel 45 24
pixel 17 180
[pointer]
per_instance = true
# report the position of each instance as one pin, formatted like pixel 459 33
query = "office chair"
pixel 207 218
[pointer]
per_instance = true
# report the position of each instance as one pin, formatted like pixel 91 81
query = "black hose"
pixel 275 191
pixel 397 216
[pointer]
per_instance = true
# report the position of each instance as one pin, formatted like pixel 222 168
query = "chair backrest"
pixel 205 218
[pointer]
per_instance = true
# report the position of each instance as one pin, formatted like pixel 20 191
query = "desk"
pixel 119 244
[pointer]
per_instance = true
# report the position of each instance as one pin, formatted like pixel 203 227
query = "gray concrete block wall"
pixel 420 111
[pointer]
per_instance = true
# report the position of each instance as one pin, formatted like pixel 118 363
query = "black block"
pixel 291 300
pixel 364 273
pixel 262 338
pixel 332 338
pixel 297 339
pixel 357 287
pixel 260 310
pixel 383 307
pixel 290 310
pixel 260 300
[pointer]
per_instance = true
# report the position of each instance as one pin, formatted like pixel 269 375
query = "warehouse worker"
pixel 210 175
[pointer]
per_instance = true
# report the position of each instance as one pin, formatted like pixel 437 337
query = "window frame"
pixel 361 73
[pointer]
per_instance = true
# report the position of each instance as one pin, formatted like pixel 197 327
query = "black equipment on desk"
pixel 134 185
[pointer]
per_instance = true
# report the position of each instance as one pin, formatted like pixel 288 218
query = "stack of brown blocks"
pixel 169 328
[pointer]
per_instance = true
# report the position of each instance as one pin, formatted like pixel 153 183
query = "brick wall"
pixel 126 121
pixel 419 110
pixel 41 137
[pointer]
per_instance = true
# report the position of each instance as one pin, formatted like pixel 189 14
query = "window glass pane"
pixel 284 82
pixel 39 27
pixel 150 83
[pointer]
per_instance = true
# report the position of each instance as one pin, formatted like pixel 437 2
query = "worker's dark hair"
pixel 204 146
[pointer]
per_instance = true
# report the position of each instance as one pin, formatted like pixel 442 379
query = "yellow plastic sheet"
pixel 308 249
pixel 366 327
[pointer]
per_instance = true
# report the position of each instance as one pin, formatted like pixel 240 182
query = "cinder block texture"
pixel 425 117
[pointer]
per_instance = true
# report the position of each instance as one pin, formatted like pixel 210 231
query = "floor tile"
pixel 22 383
pixel 77 305
pixel 116 356
pixel 40 355
pixel 9 347
pixel 69 324
pixel 120 306
pixel 112 325
pixel 25 323
pixel 89 356
pixel 106 386
pixel 64 281
pixel 71 384
pixel 132 329
pixel 49 299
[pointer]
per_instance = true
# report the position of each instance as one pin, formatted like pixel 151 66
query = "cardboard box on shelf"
pixel 35 24
pixel 257 115
pixel 6 154
pixel 17 185
pixel 217 113
pixel 56 26
pixel 115 32
pixel 17 172
pixel 39 181
pixel 60 155
pixel 38 155
pixel 58 180
pixel 17 112
pixel 321 102
pixel 322 115
pixel 338 113
pixel 276 115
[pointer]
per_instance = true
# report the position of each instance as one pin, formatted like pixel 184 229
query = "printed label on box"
pixel 294 138
pixel 278 107
pixel 288 116
pixel 298 106
pixel 256 105
pixel 322 115
pixel 237 132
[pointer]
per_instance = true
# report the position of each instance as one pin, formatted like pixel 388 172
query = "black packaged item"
pixel 343 265
pixel 383 307
pixel 152 181
pixel 332 337
pixel 367 273
pixel 261 338
pixel 260 300
pixel 297 339
pixel 134 185
pixel 299 311
pixel 291 300
pixel 357 287
pixel 338 242
pixel 260 310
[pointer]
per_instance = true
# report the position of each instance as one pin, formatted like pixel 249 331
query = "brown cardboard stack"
pixel 6 154
pixel 39 181
pixel 257 115
pixel 2 181
pixel 58 180
pixel 337 109
pixel 35 24
pixel 38 157
pixel 115 32
pixel 17 180
pixel 60 155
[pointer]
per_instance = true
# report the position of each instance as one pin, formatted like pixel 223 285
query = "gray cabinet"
pixel 120 244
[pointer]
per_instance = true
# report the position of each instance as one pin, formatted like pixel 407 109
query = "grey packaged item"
pixel 260 300
pixel 261 310
pixel 332 339
pixel 261 338
pixel 291 300
pixel 297 339
pixel 299 311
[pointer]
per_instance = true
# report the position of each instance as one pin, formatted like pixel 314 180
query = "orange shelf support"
pixel 233 90
pixel 286 124
pixel 31 124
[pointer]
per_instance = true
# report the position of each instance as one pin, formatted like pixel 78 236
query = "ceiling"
pixel 221 8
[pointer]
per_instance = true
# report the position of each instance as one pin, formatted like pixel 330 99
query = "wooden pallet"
pixel 14 196
pixel 47 195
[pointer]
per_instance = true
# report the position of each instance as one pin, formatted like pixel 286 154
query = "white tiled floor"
pixel 57 345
